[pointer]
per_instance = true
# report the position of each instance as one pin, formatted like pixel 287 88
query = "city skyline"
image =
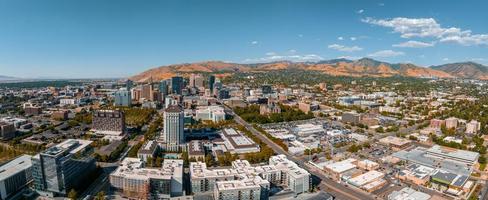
pixel 92 39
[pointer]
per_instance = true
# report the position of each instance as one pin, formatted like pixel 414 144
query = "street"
pixel 328 185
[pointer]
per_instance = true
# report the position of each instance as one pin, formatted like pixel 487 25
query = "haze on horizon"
pixel 95 39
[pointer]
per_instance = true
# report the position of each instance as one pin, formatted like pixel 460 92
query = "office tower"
pixel 267 89
pixel 7 130
pixel 136 181
pixel 108 122
pixel 15 176
pixel 129 84
pixel 163 87
pixel 211 82
pixel 192 81
pixel 173 127
pixel 177 84
pixel 147 92
pixel 63 167
pixel 199 81
pixel 216 88
pixel 122 98
pixel 223 94
pixel 136 93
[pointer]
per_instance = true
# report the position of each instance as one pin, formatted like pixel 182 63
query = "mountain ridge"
pixel 335 67
pixel 469 70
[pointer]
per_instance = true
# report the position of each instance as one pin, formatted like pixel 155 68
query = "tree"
pixel 72 194
pixel 100 196
pixel 209 160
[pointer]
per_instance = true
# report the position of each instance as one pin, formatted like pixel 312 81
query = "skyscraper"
pixel 192 81
pixel 211 82
pixel 199 81
pixel 147 92
pixel 129 84
pixel 63 167
pixel 163 87
pixel 173 127
pixel 122 98
pixel 177 84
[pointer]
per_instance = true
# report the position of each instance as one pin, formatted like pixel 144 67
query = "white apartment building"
pixel 210 113
pixel 247 180
pixel 66 102
pixel 135 181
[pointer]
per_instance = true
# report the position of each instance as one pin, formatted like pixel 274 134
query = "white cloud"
pixel 292 51
pixel 270 53
pixel 386 53
pixel 349 57
pixel 353 38
pixel 340 38
pixel 360 11
pixel 445 59
pixel 414 44
pixel 339 47
pixel 477 59
pixel 296 58
pixel 254 42
pixel 381 4
pixel 428 27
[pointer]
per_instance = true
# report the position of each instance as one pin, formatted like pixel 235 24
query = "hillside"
pixel 469 70
pixel 336 67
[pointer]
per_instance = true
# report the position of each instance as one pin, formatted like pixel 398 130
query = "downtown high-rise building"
pixel 122 98
pixel 177 84
pixel 147 92
pixel 173 128
pixel 63 167
pixel 129 84
pixel 211 82
pixel 163 88
pixel 196 81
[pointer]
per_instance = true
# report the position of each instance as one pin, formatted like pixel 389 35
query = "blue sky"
pixel 118 38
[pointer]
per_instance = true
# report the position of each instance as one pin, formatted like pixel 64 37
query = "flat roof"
pixel 456 153
pixel 342 166
pixel 15 166
pixel 366 178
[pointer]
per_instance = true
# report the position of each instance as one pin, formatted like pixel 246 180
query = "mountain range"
pixel 336 67
pixel 7 78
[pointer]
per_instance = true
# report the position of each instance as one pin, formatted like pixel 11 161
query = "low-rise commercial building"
pixel 15 176
pixel 236 142
pixel 395 143
pixel 337 169
pixel 210 113
pixel 408 194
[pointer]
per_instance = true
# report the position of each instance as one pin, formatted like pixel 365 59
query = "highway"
pixel 328 185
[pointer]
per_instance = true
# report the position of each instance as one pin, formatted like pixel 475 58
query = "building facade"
pixel 110 122
pixel 63 167
pixel 137 182
pixel 173 127
pixel 15 176
pixel 122 98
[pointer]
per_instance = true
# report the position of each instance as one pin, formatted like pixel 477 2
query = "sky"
pixel 120 38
